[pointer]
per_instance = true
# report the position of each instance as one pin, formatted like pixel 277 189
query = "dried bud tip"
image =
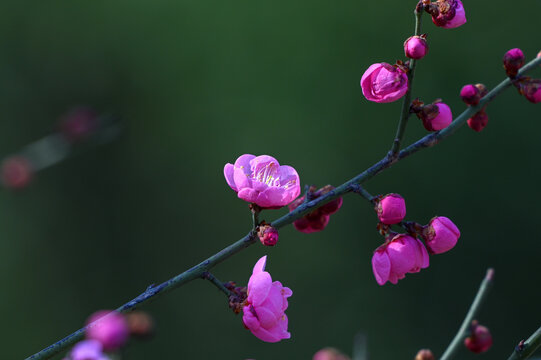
pixel 424 354
pixel 267 235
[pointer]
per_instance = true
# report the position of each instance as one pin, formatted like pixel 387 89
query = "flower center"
pixel 267 174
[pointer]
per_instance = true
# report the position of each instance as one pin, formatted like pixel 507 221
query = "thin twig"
pixel 456 344
pixel 220 285
pixel 525 349
pixel 305 208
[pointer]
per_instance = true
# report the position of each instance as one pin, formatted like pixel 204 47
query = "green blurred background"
pixel 199 83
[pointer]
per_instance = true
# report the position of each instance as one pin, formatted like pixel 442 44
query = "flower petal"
pixel 260 265
pixel 381 266
pixel 228 173
pixel 243 162
pixel 241 179
pixel 259 287
pixel 248 194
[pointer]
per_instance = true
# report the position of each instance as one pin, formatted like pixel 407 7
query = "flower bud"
pixel 79 123
pixel 141 324
pixel 424 354
pixel 391 209
pixel 267 235
pixel 531 89
pixel 441 235
pixel 416 47
pixel 16 172
pixel 111 330
pixel 470 94
pixel 435 116
pixel 383 83
pixel 329 354
pixel 480 339
pixel 478 121
pixel 447 14
pixel 318 219
pixel 512 61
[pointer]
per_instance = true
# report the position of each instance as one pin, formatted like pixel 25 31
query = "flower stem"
pixel 360 351
pixel 305 208
pixel 526 349
pixel 358 189
pixel 405 114
pixel 220 285
pixel 456 344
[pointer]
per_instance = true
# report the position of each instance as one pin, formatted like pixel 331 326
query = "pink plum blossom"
pixel 383 83
pixel 79 123
pixel 394 259
pixel 416 47
pixel 450 14
pixel 513 60
pixel 111 330
pixel 87 350
pixel 16 172
pixel 261 180
pixel 441 235
pixel 391 209
pixel 264 310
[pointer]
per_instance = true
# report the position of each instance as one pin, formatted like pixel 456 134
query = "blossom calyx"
pixel 264 310
pixel 480 339
pixel 441 235
pixel 401 255
pixel 383 83
pixel 513 60
pixel 391 208
pixel 263 181
pixel 435 116
pixel 416 47
pixel 267 235
pixel 447 14
pixel 478 121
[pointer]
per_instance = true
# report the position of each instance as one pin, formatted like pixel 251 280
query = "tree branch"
pixel 525 349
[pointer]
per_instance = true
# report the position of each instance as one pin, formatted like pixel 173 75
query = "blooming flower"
pixel 318 219
pixel 87 350
pixel 448 14
pixel 403 254
pixel 261 180
pixel 263 313
pixel 112 331
pixel 391 209
pixel 441 235
pixel 383 83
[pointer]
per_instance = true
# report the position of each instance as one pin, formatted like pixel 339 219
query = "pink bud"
pixel 383 83
pixel 480 339
pixel 391 209
pixel 16 172
pixel 416 47
pixel 531 89
pixel 329 354
pixel 478 121
pixel 424 354
pixel 403 254
pixel 436 116
pixel 267 235
pixel 318 219
pixel 470 94
pixel 447 14
pixel 79 123
pixel 513 60
pixel 111 331
pixel 441 235
pixel 87 350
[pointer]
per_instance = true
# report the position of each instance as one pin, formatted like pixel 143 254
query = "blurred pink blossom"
pixel 261 180
pixel 112 331
pixel 87 350
pixel 263 313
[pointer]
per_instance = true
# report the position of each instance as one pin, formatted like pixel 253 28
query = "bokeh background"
pixel 198 83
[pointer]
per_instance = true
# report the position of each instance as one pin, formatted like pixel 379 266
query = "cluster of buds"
pixel 435 116
pixel 471 95
pixel 108 332
pixel 530 88
pixel 318 219
pixel 405 253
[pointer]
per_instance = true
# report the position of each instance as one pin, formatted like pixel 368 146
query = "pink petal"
pixel 248 194
pixel 259 287
pixel 381 266
pixel 260 265
pixel 249 319
pixel 402 254
pixel 266 317
pixel 261 160
pixel 265 335
pixel 271 197
pixel 228 173
pixel 424 260
pixel 243 162
pixel 242 180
